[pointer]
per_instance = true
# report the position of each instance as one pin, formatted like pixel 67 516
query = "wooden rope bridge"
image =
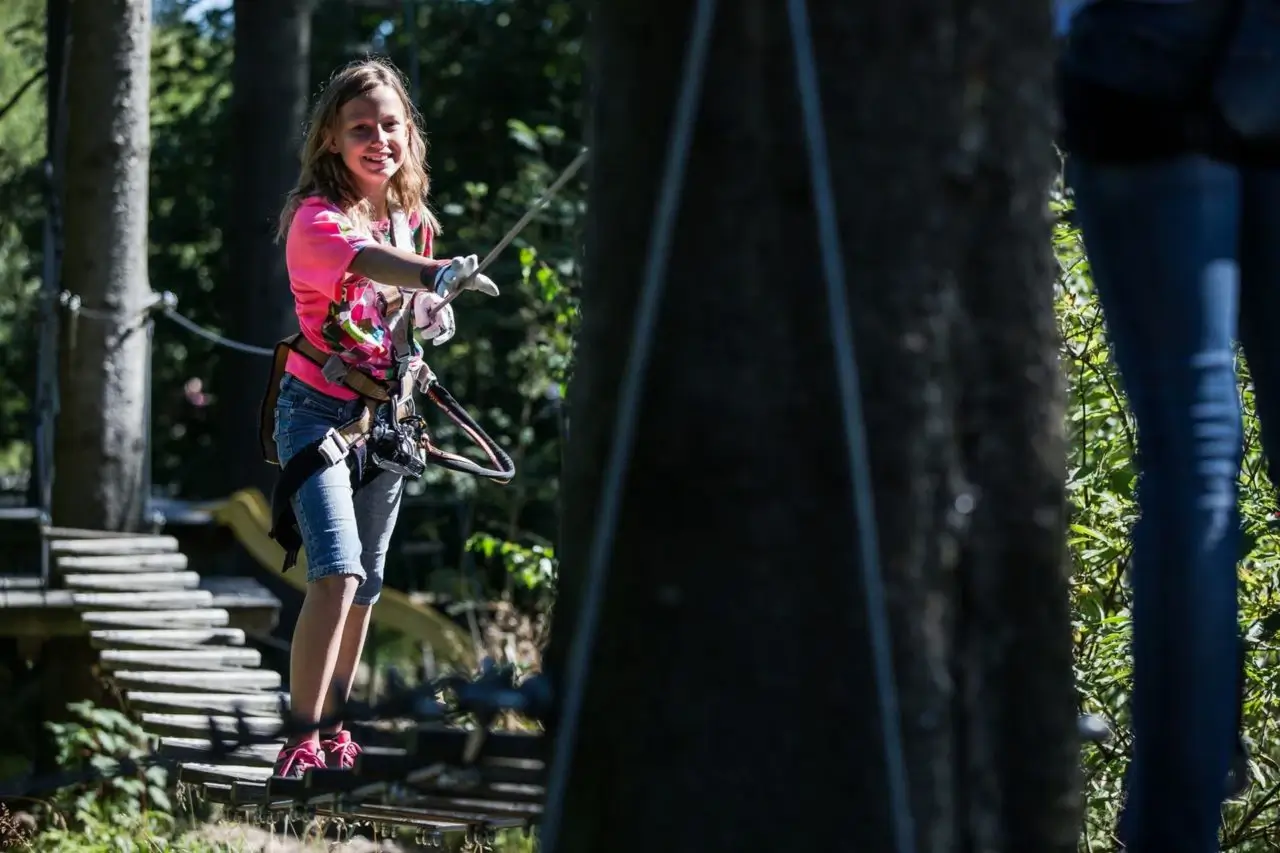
pixel 171 643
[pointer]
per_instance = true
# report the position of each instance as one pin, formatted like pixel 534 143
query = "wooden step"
pixel 181 599
pixel 251 704
pixel 51 532
pixel 211 617
pixel 197 749
pixel 166 638
pixel 113 563
pixel 197 772
pixel 217 792
pixel 26 582
pixel 221 681
pixel 192 725
pixel 134 582
pixel 181 659
pixel 114 545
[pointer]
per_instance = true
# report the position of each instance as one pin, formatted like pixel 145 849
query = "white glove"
pixel 461 275
pixel 438 327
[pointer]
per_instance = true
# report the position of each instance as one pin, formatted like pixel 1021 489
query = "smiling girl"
pixel 358 241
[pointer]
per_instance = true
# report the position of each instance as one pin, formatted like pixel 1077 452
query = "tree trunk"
pixel 731 703
pixel 57 30
pixel 101 444
pixel 271 80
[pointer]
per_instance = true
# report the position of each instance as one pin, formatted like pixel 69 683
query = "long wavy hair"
pixel 323 172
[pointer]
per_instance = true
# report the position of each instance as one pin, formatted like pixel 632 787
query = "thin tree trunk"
pixel 271 76
pixel 101 452
pixel 732 704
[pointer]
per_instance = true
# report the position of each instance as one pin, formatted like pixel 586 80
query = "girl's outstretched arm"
pixel 398 267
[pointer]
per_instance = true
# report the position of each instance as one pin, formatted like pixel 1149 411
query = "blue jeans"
pixel 1185 257
pixel 343 533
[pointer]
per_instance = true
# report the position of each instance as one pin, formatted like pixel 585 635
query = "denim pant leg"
pixel 343 532
pixel 377 506
pixel 1161 239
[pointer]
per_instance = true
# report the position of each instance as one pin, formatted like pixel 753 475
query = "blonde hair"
pixel 323 172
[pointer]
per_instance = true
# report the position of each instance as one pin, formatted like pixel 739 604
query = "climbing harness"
pixel 573 685
pixel 388 434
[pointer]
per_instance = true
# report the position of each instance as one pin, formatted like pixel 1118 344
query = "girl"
pixel 358 240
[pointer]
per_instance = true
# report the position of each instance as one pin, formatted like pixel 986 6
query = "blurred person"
pixel 1171 127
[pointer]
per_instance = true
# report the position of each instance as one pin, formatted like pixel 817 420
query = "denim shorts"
pixel 343 533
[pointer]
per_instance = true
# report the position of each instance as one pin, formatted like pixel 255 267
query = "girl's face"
pixel 371 138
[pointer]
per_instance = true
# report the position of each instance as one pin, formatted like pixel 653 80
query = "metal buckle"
pixel 333 447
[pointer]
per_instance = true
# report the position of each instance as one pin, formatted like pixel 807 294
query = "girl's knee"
pixel 337 584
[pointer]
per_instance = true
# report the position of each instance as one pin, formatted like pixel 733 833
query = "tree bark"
pixel 101 442
pixel 731 703
pixel 271 79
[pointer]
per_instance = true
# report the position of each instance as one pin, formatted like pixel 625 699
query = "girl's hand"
pixel 433 323
pixel 461 275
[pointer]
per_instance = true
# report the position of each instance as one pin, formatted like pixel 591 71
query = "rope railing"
pixel 164 303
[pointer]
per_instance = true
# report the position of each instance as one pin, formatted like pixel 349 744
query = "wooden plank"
pixel 217 792
pixel 166 638
pixel 236 591
pixel 183 599
pixel 210 617
pixel 16 582
pixel 197 749
pixel 447 745
pixel 206 703
pixel 114 545
pixel 112 563
pixel 196 772
pixel 133 581
pixel 33 599
pixel 191 725
pixel 51 532
pixel 222 681
pixel 181 659
pixel 257 609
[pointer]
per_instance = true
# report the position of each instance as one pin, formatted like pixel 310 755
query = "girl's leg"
pixel 1162 241
pixel 326 515
pixel 377 507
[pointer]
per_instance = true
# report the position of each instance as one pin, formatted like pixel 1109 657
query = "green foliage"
pixel 21 148
pixel 101 738
pixel 145 832
pixel 529 567
pixel 1101 483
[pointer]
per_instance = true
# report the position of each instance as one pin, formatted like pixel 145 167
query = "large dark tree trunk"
pixel 271 78
pixel 100 448
pixel 732 704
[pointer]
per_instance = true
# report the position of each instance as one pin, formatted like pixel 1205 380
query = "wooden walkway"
pixel 173 644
